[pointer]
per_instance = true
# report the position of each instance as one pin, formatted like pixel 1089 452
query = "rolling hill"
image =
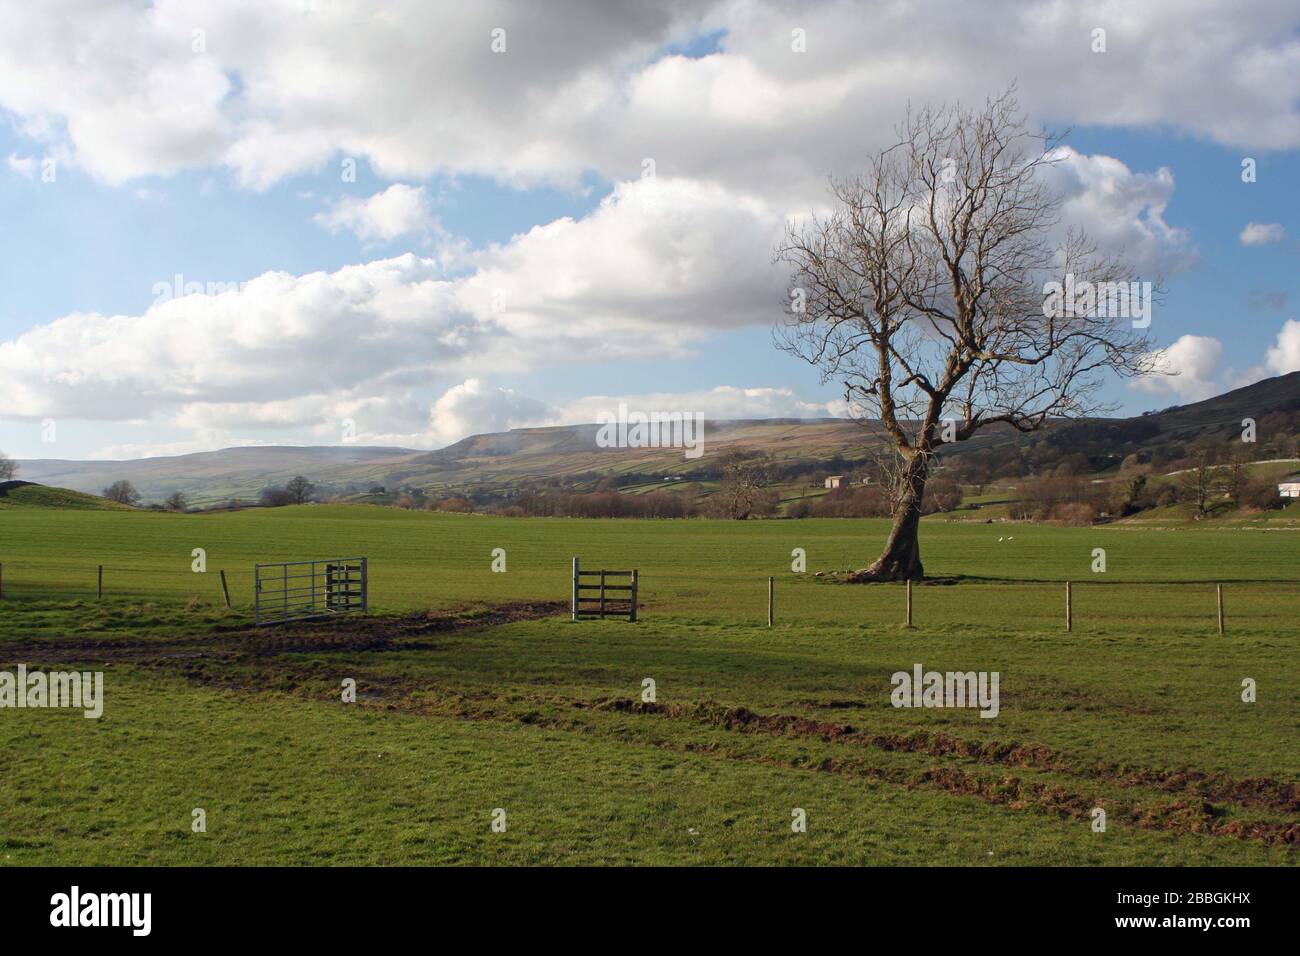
pixel 502 460
pixel 26 494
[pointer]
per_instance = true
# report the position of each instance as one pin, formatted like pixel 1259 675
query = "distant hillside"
pixel 494 461
pixel 26 494
pixel 217 476
pixel 499 462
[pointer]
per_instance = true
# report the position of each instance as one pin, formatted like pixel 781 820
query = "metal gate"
pixel 297 590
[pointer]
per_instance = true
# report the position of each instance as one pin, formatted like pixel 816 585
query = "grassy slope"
pixel 18 495
pixel 287 774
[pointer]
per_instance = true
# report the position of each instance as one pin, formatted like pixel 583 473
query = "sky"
pixel 231 223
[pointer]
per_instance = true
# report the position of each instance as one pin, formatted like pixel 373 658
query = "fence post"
pixel 575 589
pixel 100 588
pixel 770 587
pixel 602 594
pixel 225 590
pixel 1218 589
pixel 636 573
pixel 2 580
pixel 365 585
pixel 909 602
pixel 1069 608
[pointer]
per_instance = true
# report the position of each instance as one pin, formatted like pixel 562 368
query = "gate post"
pixel 635 575
pixel 574 604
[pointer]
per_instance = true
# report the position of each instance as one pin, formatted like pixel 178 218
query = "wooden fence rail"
pixel 618 599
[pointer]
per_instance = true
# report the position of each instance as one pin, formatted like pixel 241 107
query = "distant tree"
pixel 300 490
pixel 274 497
pixel 1130 463
pixel 8 467
pixel 455 504
pixel 122 492
pixel 176 501
pixel 1231 478
pixel 743 478
pixel 1196 481
pixel 1261 494
pixel 1076 514
pixel 1133 489
pixel 942 494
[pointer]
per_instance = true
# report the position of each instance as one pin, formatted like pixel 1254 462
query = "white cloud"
pixel 1122 211
pixel 397 211
pixel 661 256
pixel 1187 369
pixel 283 88
pixel 1262 233
pixel 472 408
pixel 1284 355
pixel 280 337
pixel 657 267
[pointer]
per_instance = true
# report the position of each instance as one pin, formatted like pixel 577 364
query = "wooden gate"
pixel 596 596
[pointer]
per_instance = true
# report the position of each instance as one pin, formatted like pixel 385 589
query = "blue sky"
pixel 140 201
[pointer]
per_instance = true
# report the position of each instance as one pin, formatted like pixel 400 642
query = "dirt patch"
pixel 350 633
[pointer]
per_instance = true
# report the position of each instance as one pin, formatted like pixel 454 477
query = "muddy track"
pixel 1254 792
pixel 1187 814
pixel 354 633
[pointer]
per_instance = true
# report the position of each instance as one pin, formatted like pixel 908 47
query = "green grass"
pixel 541 717
pixel 15 496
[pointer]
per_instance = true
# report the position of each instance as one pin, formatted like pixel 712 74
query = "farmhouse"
pixel 834 481
pixel 1289 489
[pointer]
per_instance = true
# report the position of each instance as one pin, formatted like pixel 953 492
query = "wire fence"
pixel 55 581
pixel 710 596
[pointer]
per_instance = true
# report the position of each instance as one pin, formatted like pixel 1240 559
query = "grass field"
pixel 476 693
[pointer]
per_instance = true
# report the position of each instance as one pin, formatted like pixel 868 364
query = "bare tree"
pixel 744 477
pixel 1196 482
pixel 122 492
pixel 176 501
pixel 924 292
pixel 274 497
pixel 300 490
pixel 1232 478
pixel 8 467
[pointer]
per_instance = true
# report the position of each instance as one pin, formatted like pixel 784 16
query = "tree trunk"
pixel 901 559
